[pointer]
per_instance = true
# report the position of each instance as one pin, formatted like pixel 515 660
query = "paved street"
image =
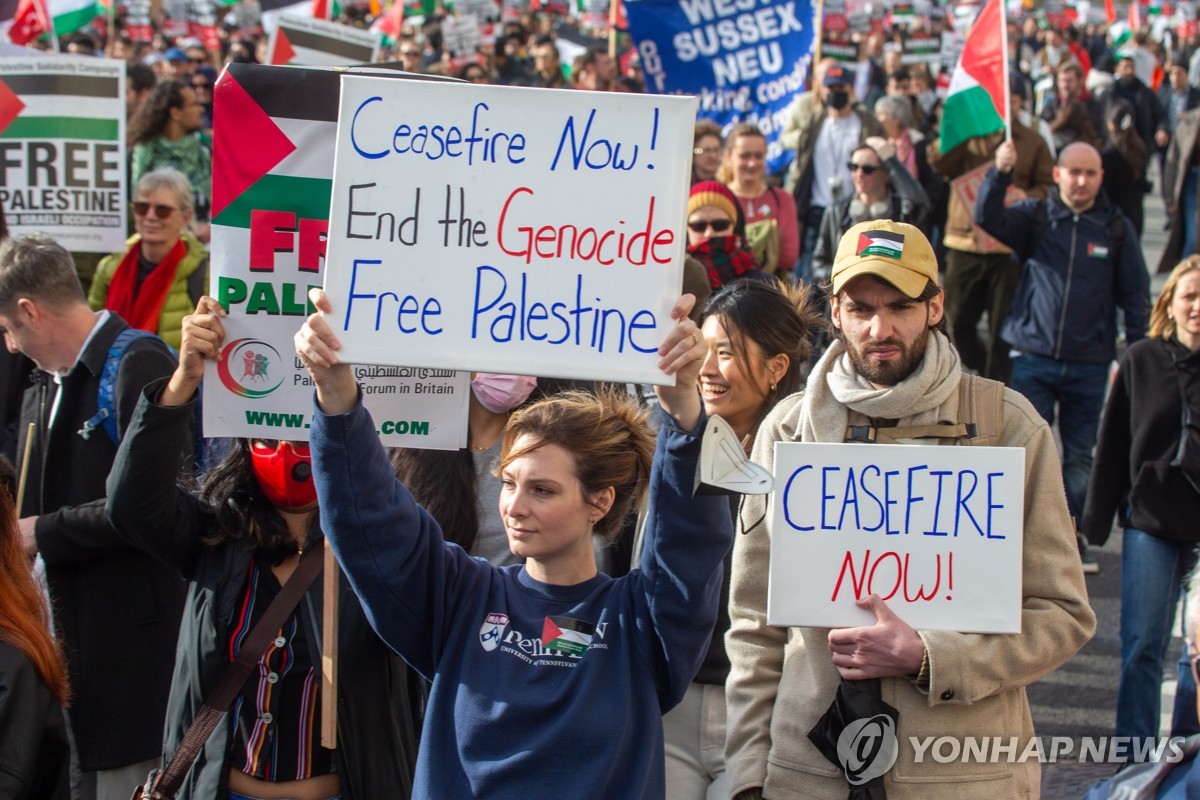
pixel 1080 698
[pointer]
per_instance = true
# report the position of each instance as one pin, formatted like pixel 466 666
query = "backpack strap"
pixel 106 396
pixel 980 413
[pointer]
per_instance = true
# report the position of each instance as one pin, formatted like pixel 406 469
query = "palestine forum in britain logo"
pixel 255 365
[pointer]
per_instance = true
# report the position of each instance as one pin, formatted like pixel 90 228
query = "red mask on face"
pixel 284 472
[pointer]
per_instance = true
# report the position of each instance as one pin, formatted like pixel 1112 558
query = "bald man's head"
pixel 1079 175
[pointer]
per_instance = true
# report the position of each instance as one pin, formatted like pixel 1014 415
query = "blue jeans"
pixel 1153 572
pixel 1078 389
pixel 1187 212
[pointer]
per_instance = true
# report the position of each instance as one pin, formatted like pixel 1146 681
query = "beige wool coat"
pixel 783 679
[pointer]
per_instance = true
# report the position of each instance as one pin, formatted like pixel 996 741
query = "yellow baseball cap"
pixel 893 251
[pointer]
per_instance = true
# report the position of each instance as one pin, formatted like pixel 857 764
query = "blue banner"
pixel 745 59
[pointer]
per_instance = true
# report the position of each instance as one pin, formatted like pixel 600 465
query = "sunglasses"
pixel 197 60
pixel 867 169
pixel 705 151
pixel 162 212
pixel 409 53
pixel 718 225
pixel 201 85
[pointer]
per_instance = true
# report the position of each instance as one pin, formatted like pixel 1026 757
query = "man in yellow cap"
pixel 891 374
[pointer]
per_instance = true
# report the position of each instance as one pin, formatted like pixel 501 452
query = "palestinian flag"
pixel 978 91
pixel 390 23
pixel 274 133
pixel 568 635
pixel 301 41
pixel 880 243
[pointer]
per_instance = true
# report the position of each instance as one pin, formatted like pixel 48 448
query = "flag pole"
pixel 1005 71
pixel 819 16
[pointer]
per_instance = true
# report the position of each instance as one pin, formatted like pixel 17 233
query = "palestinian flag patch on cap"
pixel 568 635
pixel 880 243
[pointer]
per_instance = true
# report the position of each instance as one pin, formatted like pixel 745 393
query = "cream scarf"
pixel 834 386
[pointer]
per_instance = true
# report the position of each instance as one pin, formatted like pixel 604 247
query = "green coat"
pixel 191 272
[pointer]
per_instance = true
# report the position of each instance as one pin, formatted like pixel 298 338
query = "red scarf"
pixel 141 308
pixel 723 259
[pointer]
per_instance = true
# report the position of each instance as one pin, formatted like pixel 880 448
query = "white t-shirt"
pixel 836 141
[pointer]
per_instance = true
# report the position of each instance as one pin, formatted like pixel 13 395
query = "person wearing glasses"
pixel 708 151
pixel 202 82
pixel 411 56
pixel 163 272
pixel 166 132
pixel 236 538
pixel 716 234
pixel 883 189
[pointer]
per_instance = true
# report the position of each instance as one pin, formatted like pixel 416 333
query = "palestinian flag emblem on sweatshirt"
pixel 880 243
pixel 568 635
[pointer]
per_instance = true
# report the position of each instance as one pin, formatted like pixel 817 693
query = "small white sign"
pixel 935 531
pixel 501 229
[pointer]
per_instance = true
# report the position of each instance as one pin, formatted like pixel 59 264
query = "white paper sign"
pixel 502 229
pixel 934 531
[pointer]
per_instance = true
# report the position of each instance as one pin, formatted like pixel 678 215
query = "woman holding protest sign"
pixel 1146 474
pixel 757 337
pixel 536 668
pixel 242 538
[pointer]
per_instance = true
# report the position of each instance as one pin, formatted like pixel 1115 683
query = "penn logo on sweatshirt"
pixel 567 635
pixel 880 243
pixel 492 630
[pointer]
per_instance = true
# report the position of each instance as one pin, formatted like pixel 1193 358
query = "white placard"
pixel 502 229
pixel 935 531
pixel 268 250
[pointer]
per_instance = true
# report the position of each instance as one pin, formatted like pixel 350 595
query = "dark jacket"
pixel 33 746
pixel 1071 285
pixel 117 611
pixel 376 750
pixel 908 203
pixel 1148 112
pixel 1133 448
pixel 1164 101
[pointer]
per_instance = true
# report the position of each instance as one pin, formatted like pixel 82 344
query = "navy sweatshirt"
pixel 538 690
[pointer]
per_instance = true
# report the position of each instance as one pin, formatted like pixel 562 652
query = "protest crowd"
pixel 933 237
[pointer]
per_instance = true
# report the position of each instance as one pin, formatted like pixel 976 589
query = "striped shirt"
pixel 275 732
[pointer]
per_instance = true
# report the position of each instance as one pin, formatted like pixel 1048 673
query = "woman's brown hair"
pixel 607 437
pixel 1161 324
pixel 23 614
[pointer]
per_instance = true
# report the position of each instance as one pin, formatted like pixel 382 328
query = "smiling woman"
pixel 163 272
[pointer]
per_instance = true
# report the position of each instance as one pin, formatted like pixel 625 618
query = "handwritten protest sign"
pixel 527 231
pixel 272 176
pixel 62 150
pixel 935 531
pixel 745 62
